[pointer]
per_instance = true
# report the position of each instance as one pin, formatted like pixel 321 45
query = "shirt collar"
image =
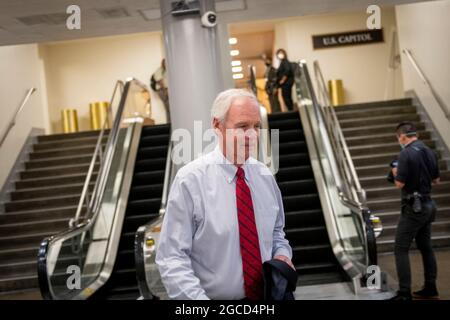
pixel 228 168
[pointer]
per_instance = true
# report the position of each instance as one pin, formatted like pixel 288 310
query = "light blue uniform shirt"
pixel 198 254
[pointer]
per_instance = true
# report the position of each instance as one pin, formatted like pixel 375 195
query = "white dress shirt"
pixel 198 254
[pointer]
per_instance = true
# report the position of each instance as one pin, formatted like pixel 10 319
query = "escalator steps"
pixel 304 222
pixel 143 205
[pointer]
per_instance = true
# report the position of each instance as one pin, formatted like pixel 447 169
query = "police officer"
pixel 415 174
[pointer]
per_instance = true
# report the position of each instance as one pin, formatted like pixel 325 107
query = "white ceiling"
pixel 30 21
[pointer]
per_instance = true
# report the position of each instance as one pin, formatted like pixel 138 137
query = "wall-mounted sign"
pixel 347 38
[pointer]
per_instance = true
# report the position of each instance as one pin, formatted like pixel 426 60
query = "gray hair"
pixel 225 99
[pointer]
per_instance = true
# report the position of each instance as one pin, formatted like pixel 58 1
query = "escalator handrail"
pixel 104 158
pixel 140 239
pixel 347 199
pixel 79 228
pixel 357 192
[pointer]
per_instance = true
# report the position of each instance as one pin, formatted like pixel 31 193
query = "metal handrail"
pixel 12 122
pixel 105 162
pixel 352 187
pixel 353 200
pixel 425 80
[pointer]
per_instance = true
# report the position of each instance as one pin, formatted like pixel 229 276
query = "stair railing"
pixel 427 83
pixel 350 185
pixel 13 120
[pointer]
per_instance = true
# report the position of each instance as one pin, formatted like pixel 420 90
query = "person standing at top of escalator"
pixel 285 78
pixel 271 85
pixel 158 83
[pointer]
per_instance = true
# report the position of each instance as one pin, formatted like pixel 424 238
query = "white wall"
pixel 424 29
pixel 21 68
pixel 363 68
pixel 83 71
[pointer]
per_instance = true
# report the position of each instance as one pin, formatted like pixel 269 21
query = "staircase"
pixel 45 197
pixel 369 130
pixel 143 205
pixel 304 226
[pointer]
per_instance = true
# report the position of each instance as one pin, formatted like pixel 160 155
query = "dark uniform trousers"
pixel 415 226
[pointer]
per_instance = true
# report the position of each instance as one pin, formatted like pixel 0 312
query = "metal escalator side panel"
pixel 328 204
pixel 94 253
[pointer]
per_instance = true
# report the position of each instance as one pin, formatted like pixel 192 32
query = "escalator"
pixel 95 257
pixel 326 221
pixel 305 226
pixel 143 205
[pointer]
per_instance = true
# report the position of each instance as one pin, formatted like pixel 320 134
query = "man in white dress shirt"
pixel 224 214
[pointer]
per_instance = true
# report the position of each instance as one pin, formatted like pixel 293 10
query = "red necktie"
pixel 248 237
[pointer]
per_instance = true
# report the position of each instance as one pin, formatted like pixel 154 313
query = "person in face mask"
pixel 414 173
pixel 271 85
pixel 285 78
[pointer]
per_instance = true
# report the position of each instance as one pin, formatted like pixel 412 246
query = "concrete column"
pixel 194 64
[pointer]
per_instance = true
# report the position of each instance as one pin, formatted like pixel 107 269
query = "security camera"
pixel 209 19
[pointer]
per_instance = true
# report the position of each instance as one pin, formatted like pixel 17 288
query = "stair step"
pixel 291 135
pixel 49 202
pixel 376 129
pixel 145 191
pixel 312 253
pixel 308 268
pixel 438 227
pixel 303 201
pixel 377 148
pixel 304 218
pixel 24 241
pixel 62 152
pixel 365 171
pixel 380 138
pixel 155 130
pixel 393 203
pixel 294 187
pixel 44 182
pixel 70 136
pixel 307 235
pixel 85 141
pixel 33 227
pixel 38 214
pixel 155 140
pixel 282 115
pixel 143 206
pixel 285 124
pixel 377 181
pixel 375 104
pixel 154 152
pixel 33 193
pixel 438 240
pixel 373 112
pixel 293 147
pixel 294 173
pixel 391 217
pixel 24 254
pixel 293 159
pixel 22 282
pixel 390 190
pixel 61 161
pixel 359 122
pixel 143 163
pixel 56 171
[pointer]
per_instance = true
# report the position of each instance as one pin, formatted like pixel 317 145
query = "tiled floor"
pixel 342 291
pixel 387 264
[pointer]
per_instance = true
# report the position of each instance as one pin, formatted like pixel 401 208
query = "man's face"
pixel 240 130
pixel 402 139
